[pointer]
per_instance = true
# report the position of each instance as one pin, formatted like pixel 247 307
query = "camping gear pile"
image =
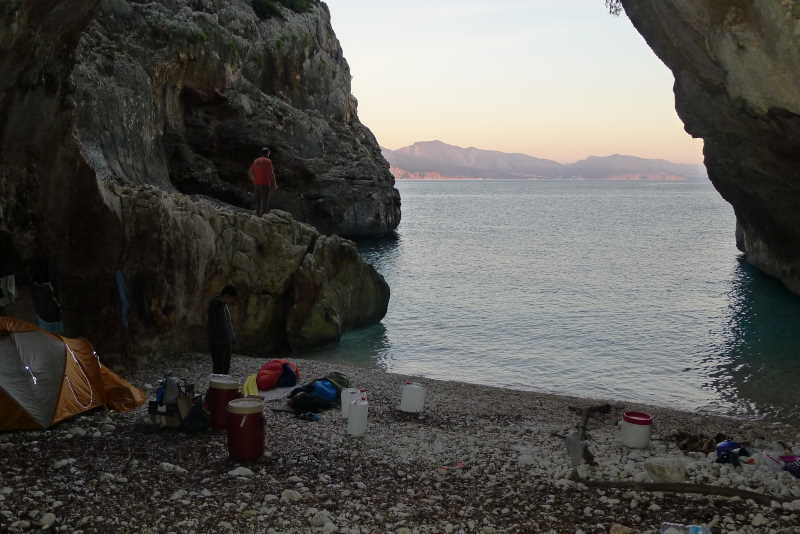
pixel 177 406
pixel 46 378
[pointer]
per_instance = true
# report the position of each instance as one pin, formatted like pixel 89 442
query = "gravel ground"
pixel 479 459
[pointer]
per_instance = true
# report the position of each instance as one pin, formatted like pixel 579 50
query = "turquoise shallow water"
pixel 621 290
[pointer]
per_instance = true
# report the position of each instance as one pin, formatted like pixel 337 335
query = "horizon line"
pixel 380 145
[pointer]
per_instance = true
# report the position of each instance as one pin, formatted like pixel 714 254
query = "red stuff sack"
pixel 277 374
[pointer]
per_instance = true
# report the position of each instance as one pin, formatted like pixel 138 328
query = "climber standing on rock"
pixel 221 335
pixel 262 174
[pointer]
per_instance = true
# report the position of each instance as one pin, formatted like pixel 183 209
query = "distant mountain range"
pixel 438 160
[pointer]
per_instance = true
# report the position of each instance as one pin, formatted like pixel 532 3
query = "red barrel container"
pixel 246 428
pixel 221 390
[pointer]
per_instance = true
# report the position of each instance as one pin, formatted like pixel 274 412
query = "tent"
pixel 45 378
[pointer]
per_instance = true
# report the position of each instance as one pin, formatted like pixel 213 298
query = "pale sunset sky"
pixel 557 79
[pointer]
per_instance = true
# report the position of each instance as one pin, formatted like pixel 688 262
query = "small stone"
pixel 320 518
pixel 225 525
pixel 179 494
pixel 171 468
pixel 63 463
pixel 47 520
pixel 290 495
pixel 206 493
pixel 759 520
pixel 241 472
pixel 22 524
pixel 621 529
pixel 670 469
pixel 329 528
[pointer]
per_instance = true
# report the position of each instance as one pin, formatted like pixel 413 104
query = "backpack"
pixel 176 406
pixel 320 394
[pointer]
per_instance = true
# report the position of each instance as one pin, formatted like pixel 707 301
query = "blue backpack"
pixel 317 395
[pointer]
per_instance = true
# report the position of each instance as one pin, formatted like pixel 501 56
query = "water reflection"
pixel 382 253
pixel 366 347
pixel 756 366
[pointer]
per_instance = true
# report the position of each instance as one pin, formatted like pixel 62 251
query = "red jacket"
pixel 261 171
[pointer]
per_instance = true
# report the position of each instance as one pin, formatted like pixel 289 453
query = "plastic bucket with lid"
pixel 221 390
pixel 412 398
pixel 246 428
pixel 635 429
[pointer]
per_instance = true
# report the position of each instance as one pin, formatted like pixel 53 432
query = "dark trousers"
pixel 263 192
pixel 221 358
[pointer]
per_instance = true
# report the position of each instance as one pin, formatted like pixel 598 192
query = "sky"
pixel 557 79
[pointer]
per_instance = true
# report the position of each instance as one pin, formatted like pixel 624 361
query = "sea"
pixel 628 291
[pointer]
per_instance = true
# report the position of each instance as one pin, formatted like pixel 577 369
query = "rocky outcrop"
pixel 126 129
pixel 737 72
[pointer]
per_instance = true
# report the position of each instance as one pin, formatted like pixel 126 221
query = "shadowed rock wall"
pixel 126 129
pixel 737 73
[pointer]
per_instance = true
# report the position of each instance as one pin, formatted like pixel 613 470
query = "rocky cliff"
pixel 737 73
pixel 126 131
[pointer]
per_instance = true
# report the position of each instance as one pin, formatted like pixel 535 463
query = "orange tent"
pixel 45 378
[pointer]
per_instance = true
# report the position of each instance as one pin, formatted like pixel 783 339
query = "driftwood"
pixel 681 487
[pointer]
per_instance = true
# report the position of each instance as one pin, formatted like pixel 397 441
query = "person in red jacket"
pixel 262 174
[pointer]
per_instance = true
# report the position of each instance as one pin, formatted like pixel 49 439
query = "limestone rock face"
pixel 737 74
pixel 182 94
pixel 126 130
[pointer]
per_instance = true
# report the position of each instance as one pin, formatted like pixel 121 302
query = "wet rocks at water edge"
pixel 476 459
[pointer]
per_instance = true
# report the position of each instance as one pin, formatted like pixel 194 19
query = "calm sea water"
pixel 620 290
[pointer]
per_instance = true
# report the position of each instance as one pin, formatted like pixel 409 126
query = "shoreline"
pixel 478 459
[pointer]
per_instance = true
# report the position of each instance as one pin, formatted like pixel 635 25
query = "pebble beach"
pixel 477 459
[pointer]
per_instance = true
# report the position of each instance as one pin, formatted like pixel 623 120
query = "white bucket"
pixel 412 398
pixel 347 398
pixel 635 429
pixel 357 418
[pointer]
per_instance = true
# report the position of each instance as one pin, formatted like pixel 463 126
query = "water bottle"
pixel 357 418
pixel 349 395
pixel 680 528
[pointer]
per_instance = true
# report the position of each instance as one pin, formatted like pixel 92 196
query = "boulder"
pixel 737 70
pixel 125 136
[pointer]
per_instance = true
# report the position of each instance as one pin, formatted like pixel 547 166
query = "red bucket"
pixel 246 428
pixel 221 390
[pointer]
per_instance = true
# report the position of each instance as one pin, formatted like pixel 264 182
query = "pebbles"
pixel 477 459
pixel 171 468
pixel 241 472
